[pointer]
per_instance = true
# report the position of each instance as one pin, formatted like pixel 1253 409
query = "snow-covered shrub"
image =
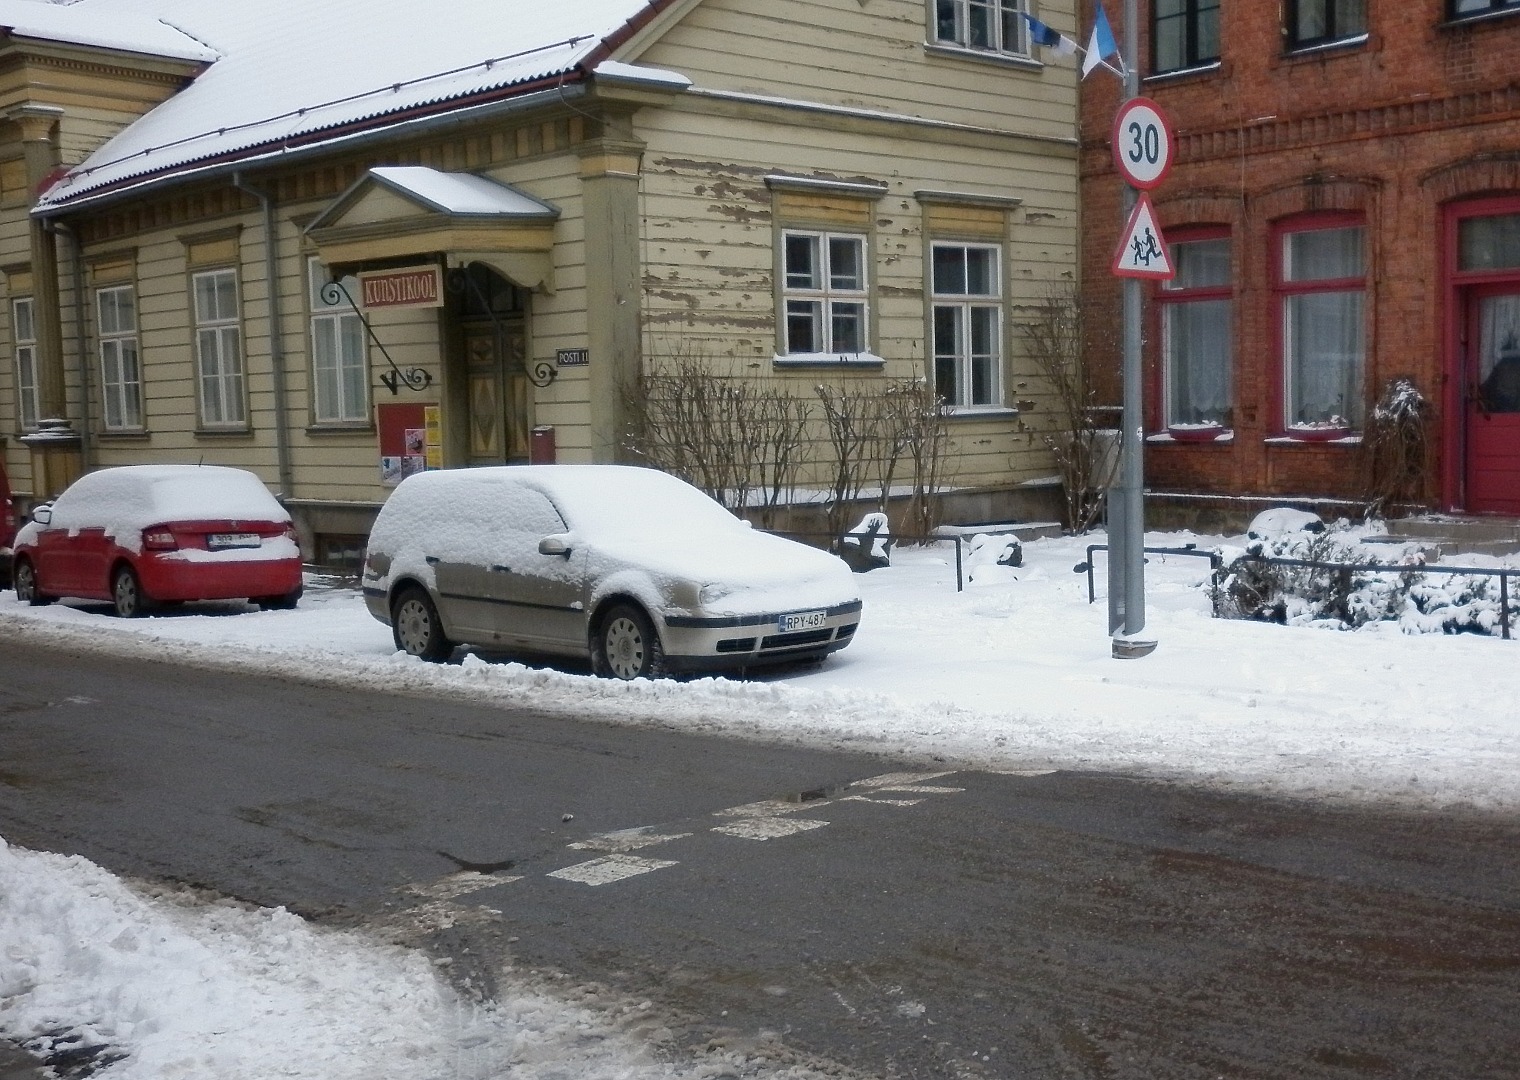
pixel 1348 595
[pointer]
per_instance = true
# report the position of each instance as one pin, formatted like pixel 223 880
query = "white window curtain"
pixel 1499 353
pixel 1324 335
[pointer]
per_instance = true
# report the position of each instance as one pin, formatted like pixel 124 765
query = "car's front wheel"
pixel 416 628
pixel 626 646
pixel 127 594
pixel 24 579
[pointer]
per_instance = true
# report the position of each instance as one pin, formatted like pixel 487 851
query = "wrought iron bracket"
pixel 415 379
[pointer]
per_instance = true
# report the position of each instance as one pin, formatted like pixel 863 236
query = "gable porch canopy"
pixel 409 212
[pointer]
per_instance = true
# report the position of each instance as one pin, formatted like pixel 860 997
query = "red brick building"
pixel 1343 210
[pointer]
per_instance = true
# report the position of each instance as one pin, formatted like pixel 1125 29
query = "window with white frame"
pixel 219 349
pixel 339 361
pixel 24 333
pixel 120 372
pixel 995 26
pixel 1195 333
pixel 1321 284
pixel 825 293
pixel 967 303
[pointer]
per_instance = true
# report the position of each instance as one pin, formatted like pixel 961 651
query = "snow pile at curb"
pixel 159 987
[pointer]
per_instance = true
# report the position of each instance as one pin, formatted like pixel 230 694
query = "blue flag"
pixel 1101 45
pixel 1048 37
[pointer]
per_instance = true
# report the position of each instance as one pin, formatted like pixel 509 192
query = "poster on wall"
pixel 408 440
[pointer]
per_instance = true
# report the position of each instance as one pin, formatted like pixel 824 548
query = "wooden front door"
pixel 1491 391
pixel 497 387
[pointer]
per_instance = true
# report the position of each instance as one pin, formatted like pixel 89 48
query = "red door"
pixel 1491 393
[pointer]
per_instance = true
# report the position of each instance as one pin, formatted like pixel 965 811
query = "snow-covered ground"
pixel 1013 672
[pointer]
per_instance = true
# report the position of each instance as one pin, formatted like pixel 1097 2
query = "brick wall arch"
pixel 1486 174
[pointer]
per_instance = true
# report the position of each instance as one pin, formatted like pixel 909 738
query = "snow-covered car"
pixel 142 535
pixel 632 568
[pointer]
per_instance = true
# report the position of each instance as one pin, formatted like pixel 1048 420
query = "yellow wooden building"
pixel 334 243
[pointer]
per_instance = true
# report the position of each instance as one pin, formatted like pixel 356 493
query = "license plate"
pixel 800 620
pixel 222 541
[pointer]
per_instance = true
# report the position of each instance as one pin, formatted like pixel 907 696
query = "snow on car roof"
pixel 129 498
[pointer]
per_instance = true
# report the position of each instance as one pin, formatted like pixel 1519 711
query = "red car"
pixel 143 535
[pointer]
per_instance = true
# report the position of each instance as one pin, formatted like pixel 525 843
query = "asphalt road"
pixel 906 919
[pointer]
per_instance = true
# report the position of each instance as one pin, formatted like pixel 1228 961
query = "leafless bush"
pixel 1396 446
pixel 921 438
pixel 1084 452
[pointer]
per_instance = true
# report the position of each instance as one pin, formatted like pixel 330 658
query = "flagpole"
pixel 1127 527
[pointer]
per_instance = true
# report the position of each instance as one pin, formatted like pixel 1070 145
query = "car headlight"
pixel 711 594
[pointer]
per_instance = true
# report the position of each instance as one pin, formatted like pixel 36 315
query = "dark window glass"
pixel 1314 22
pixel 1185 34
pixel 1489 243
pixel 1467 9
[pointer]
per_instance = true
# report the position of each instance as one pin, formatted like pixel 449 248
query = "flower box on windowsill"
pixel 1321 431
pixel 1196 433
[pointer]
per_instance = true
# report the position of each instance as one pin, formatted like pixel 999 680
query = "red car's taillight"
pixel 159 540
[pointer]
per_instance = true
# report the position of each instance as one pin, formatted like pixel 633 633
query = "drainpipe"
pixel 276 336
pixel 81 344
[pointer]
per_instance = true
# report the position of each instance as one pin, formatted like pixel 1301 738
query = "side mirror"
pixel 43 515
pixel 558 544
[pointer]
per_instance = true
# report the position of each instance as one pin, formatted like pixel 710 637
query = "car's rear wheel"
pixel 416 629
pixel 626 646
pixel 280 603
pixel 127 594
pixel 24 578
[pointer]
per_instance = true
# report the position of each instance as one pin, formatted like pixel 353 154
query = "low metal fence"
pixel 1215 561
pixel 892 538
pixel 1345 570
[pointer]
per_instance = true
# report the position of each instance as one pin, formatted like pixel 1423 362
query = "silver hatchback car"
pixel 631 567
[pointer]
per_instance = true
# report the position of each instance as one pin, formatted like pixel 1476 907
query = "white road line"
pixel 881 802
pixel 898 778
pixel 764 828
pixel 626 840
pixel 923 789
pixel 610 868
pixel 767 808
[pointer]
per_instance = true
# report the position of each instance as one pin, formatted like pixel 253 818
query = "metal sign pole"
pixel 1126 593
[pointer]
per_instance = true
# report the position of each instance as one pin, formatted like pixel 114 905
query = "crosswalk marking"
pixel 627 840
pixel 881 802
pixel 768 828
pixel 923 789
pixel 460 884
pixel 610 868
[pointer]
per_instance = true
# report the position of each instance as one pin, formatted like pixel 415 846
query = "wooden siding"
pixel 868 56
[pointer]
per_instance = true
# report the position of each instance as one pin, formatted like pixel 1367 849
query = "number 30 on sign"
pixel 1142 143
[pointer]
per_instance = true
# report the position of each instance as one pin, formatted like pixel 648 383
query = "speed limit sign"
pixel 1142 143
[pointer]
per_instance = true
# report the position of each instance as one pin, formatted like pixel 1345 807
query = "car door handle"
pixel 501 569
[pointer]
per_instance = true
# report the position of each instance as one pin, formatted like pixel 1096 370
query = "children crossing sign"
pixel 1142 253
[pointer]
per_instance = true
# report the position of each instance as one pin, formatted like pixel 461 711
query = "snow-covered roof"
pixel 292 73
pixel 461 193
pixel 127 32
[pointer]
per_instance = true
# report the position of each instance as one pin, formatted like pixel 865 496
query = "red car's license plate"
pixel 222 541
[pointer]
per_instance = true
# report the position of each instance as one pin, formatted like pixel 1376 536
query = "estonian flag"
pixel 1101 45
pixel 1043 35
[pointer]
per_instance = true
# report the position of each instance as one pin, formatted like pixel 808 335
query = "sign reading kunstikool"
pixel 413 286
